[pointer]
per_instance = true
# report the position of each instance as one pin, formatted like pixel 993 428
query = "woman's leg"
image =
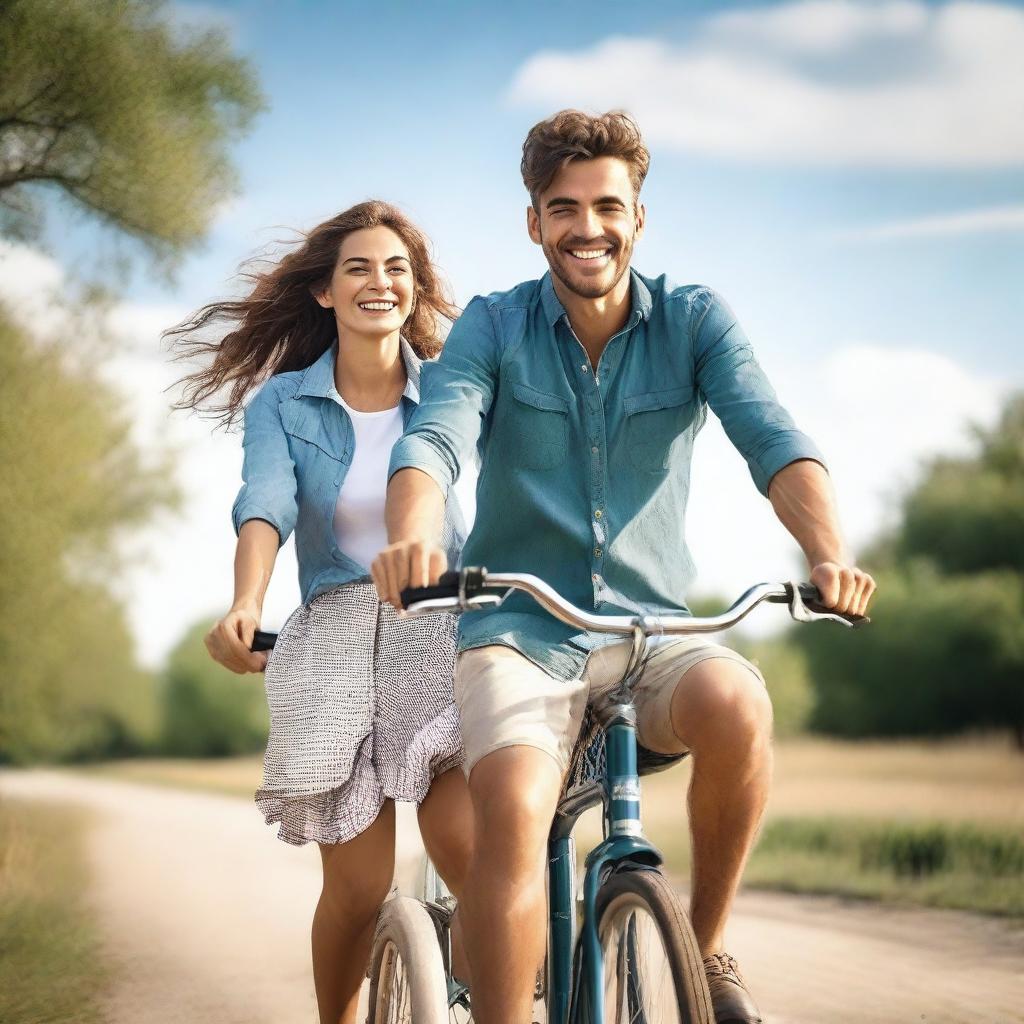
pixel 357 878
pixel 446 824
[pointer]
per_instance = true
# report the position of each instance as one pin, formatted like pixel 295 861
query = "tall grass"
pixel 50 971
pixel 937 864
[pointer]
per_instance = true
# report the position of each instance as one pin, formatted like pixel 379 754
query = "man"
pixel 583 393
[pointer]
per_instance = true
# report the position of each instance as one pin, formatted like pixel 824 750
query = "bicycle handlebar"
pixel 477 588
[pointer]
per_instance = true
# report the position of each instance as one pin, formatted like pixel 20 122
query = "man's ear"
pixel 641 219
pixel 533 224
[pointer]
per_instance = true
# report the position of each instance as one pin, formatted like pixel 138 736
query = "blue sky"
pixel 848 175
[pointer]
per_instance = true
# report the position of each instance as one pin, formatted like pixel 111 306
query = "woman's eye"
pixel 398 270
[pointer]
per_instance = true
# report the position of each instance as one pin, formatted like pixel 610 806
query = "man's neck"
pixel 596 321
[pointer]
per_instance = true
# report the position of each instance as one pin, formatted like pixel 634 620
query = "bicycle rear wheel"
pixel 407 981
pixel 653 972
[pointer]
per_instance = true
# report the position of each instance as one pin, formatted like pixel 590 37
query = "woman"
pixel 361 707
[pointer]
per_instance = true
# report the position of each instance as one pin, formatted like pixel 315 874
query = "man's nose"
pixel 588 225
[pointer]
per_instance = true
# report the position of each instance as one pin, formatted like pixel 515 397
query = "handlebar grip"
pixel 263 641
pixel 446 586
pixel 470 580
pixel 811 597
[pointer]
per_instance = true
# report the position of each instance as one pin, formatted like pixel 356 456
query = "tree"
pixel 122 111
pixel 945 651
pixel 209 711
pixel 73 483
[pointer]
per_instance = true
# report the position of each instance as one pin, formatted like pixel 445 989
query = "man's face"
pixel 587 224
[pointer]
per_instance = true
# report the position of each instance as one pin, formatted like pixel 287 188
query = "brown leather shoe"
pixel 730 997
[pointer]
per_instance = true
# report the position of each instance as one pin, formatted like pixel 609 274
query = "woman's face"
pixel 371 289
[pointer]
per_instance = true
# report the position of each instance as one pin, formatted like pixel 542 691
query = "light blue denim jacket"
pixel 585 475
pixel 298 444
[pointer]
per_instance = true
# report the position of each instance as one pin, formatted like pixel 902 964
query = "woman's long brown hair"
pixel 279 326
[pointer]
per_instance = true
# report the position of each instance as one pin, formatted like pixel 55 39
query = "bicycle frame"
pixel 624 844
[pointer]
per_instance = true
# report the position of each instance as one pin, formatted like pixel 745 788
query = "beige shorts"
pixel 504 699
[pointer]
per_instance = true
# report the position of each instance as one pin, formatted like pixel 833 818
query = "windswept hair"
pixel 279 326
pixel 573 135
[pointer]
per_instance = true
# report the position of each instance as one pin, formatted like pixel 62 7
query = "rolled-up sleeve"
pixel 456 393
pixel 269 488
pixel 740 395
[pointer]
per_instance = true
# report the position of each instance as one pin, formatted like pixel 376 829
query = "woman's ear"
pixel 322 294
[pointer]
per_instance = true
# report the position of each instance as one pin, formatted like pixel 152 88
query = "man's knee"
pixel 514 792
pixel 720 702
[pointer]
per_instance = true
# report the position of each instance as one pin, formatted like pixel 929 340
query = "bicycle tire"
pixel 623 899
pixel 407 980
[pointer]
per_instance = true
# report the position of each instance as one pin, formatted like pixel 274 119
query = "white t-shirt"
pixel 359 514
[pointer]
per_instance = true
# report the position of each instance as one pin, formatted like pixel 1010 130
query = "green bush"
pixel 943 654
pixel 209 711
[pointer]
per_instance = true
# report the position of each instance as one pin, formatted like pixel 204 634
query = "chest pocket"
pixel 655 423
pixel 539 425
pixel 305 421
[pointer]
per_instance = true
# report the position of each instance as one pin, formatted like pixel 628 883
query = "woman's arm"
pixel 230 639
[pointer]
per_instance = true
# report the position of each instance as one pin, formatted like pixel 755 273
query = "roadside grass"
pixel 961 867
pixel 50 968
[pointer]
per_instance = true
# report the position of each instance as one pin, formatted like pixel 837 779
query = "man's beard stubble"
pixel 622 256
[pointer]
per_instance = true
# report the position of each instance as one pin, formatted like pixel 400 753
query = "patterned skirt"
pixel 361 711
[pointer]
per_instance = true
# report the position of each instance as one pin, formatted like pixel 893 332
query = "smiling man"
pixel 583 393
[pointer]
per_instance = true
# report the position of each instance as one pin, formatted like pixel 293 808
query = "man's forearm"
pixel 804 500
pixel 415 507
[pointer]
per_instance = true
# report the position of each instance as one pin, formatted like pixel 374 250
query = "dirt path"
pixel 207 920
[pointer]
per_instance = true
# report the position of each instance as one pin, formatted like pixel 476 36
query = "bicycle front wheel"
pixel 407 980
pixel 652 965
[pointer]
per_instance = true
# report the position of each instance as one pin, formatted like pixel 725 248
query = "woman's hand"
pixel 230 639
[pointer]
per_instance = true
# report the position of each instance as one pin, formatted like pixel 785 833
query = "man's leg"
pixel 721 711
pixel 514 791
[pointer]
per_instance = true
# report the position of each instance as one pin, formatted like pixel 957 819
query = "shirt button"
pixel 594 449
pixel 597 514
pixel 597 552
pixel 584 367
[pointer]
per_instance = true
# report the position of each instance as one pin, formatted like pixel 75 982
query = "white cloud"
pixel 993 219
pixel 819 82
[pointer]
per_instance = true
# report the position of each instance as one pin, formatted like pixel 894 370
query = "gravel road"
pixel 206 919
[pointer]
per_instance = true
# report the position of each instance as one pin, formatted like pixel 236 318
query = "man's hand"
pixel 843 588
pixel 410 563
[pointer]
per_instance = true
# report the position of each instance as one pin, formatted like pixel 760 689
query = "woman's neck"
pixel 369 373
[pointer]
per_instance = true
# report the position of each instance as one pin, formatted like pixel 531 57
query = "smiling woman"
pixel 361 705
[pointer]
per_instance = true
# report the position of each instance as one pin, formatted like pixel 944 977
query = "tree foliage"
pixel 122 111
pixel 945 651
pixel 209 711
pixel 74 481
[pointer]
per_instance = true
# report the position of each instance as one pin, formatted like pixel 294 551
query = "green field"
pixel 50 969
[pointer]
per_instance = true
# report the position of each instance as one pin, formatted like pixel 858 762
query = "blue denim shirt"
pixel 298 444
pixel 585 476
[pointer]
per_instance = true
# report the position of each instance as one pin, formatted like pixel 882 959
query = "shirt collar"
pixel 318 380
pixel 640 299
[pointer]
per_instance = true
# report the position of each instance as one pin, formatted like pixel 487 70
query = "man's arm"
pixel 413 514
pixel 441 437
pixel 785 464
pixel 802 497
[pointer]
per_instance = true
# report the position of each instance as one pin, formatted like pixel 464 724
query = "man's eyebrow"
pixel 561 201
pixel 605 200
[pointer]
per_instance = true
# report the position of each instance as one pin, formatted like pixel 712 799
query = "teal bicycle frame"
pixel 576 993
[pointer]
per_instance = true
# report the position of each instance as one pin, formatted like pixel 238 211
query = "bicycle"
pixel 632 955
